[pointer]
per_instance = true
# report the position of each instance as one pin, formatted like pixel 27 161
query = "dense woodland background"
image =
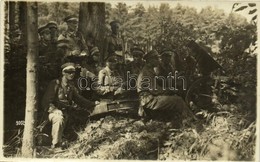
pixel 229 36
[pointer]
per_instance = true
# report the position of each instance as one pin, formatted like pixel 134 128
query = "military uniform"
pixel 109 80
pixel 53 26
pixel 114 46
pixel 133 69
pixel 114 43
pixel 77 46
pixel 46 48
pixel 155 100
pixel 58 101
pixel 170 64
pixel 49 62
pixel 137 64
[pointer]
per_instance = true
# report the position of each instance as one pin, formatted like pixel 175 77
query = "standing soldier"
pixel 45 39
pixel 76 42
pixel 52 25
pixel 49 59
pixel 114 43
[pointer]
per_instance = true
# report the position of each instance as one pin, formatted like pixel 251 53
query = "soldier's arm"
pixel 83 102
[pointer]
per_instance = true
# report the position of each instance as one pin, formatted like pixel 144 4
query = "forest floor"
pixel 224 135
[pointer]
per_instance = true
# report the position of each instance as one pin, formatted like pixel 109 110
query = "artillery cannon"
pixel 199 92
pixel 200 89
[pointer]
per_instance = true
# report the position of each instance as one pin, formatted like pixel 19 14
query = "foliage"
pixel 222 138
pixel 56 11
pixel 232 41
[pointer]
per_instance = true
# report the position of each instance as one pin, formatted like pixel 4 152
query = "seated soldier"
pixel 170 64
pixel 109 80
pixel 59 100
pixel 155 101
pixel 137 64
pixel 133 69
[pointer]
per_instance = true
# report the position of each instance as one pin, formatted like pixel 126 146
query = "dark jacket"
pixel 52 92
pixel 113 44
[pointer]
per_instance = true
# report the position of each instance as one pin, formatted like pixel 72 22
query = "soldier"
pixel 137 64
pixel 114 43
pixel 170 64
pixel 155 102
pixel 52 25
pixel 45 38
pixel 165 61
pixel 133 69
pixel 91 60
pixel 77 44
pixel 47 49
pixel 58 102
pixel 109 80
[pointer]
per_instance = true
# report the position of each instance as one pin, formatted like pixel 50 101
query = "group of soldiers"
pixel 74 56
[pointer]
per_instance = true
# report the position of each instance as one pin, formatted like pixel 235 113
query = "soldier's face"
pixel 69 74
pixel 72 25
pixel 46 36
pixel 54 34
pixel 115 28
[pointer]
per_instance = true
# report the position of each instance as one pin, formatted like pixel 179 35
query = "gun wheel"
pixel 200 92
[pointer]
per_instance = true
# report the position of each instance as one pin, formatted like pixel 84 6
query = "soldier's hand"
pixel 84 53
pixel 118 91
pixel 103 90
pixel 156 70
pixel 75 52
pixel 51 108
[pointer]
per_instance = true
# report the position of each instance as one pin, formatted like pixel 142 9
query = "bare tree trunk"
pixel 92 20
pixel 31 80
pixel 11 19
pixel 22 20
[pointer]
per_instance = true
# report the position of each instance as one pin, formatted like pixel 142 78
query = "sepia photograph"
pixel 129 80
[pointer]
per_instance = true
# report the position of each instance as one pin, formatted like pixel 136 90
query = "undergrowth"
pixel 220 135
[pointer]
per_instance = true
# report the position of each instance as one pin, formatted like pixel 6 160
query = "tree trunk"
pixel 22 21
pixel 31 80
pixel 11 19
pixel 92 20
